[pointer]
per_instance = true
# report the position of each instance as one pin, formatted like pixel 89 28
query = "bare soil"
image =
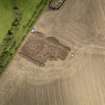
pixel 39 49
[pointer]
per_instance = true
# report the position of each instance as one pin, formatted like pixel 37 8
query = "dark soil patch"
pixel 39 49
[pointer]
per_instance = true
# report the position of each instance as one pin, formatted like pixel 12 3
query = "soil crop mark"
pixel 40 49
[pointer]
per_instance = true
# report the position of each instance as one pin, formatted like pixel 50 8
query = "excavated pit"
pixel 39 49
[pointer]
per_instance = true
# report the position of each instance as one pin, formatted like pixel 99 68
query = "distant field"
pixel 16 19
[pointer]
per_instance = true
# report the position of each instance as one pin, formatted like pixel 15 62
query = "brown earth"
pixel 39 49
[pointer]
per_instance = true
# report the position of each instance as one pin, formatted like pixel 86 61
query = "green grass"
pixel 6 17
pixel 16 20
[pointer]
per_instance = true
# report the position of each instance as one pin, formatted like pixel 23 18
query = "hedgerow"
pixel 9 44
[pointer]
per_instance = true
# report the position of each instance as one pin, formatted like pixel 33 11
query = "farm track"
pixel 79 79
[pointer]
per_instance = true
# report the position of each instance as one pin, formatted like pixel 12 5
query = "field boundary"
pixel 9 46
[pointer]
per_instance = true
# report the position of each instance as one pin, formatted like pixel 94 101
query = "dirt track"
pixel 79 79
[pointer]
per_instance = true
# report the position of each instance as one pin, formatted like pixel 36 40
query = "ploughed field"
pixel 16 19
pixel 77 80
